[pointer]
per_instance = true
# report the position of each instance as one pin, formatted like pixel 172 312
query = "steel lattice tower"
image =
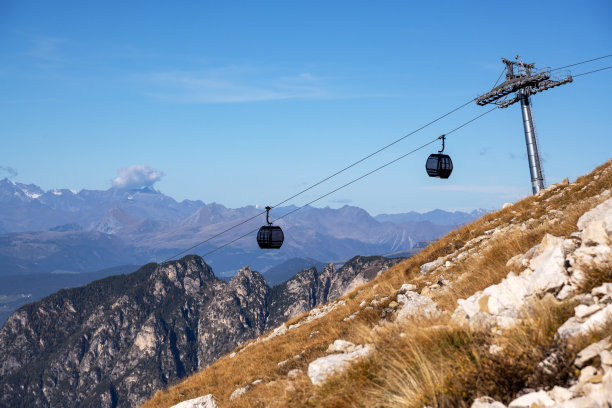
pixel 525 80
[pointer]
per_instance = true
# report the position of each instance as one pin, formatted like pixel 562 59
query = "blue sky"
pixel 249 102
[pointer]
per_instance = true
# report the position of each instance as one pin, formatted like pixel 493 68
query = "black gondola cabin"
pixel 439 165
pixel 270 236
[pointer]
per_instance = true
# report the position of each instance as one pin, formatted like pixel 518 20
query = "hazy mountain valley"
pixel 64 230
pixel 87 235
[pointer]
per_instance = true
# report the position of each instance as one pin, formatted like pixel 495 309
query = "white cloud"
pixel 12 173
pixel 234 84
pixel 136 177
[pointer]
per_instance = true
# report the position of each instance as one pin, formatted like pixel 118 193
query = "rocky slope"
pixel 514 310
pixel 311 288
pixel 115 341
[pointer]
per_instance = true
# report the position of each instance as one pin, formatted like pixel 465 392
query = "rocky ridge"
pixel 115 341
pixel 555 267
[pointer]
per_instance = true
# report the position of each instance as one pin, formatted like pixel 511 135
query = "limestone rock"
pixel 560 394
pixel 593 257
pixel 430 266
pixel 602 290
pixel 341 346
pixel 238 392
pixel 486 402
pixel 548 263
pixel 407 287
pixel 415 306
pixel 497 305
pixel 580 402
pixel 324 367
pixel 606 358
pixel 548 266
pixel 518 262
pixel 575 327
pixel 566 292
pixel 586 355
pixel 494 349
pixel 587 374
pixel 583 311
pixel 596 225
pixel 207 401
pixel 539 398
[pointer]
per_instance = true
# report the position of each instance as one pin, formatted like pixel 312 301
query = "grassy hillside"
pixel 430 363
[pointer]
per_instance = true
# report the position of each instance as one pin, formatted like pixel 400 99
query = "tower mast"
pixel 525 80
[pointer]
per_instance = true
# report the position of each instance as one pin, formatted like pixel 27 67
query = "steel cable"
pixel 582 62
pixel 363 159
pixel 324 179
pixel 354 180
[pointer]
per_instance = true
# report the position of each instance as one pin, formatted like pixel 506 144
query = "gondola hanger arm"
pixel 268 208
pixel 443 137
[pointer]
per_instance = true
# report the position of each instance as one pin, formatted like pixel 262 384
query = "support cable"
pixel 361 160
pixel 590 72
pixel 355 180
pixel 376 152
pixel 500 75
pixel 582 62
pixel 325 179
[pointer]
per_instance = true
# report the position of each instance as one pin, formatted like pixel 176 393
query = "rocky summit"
pixel 115 341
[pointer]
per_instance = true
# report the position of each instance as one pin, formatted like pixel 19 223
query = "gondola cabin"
pixel 270 237
pixel 439 165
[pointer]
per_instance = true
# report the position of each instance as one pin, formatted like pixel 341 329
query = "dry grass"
pixel 450 366
pixel 433 364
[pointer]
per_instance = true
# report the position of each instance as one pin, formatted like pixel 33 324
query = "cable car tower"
pixel 525 80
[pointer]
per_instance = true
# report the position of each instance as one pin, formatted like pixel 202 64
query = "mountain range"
pixel 65 230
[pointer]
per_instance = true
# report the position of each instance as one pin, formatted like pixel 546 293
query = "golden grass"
pixel 433 364
pixel 450 366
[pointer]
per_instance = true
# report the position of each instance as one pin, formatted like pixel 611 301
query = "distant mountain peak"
pixel 145 190
pixel 151 225
pixel 437 216
pixel 11 190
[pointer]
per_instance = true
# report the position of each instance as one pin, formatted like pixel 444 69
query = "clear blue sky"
pixel 248 102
